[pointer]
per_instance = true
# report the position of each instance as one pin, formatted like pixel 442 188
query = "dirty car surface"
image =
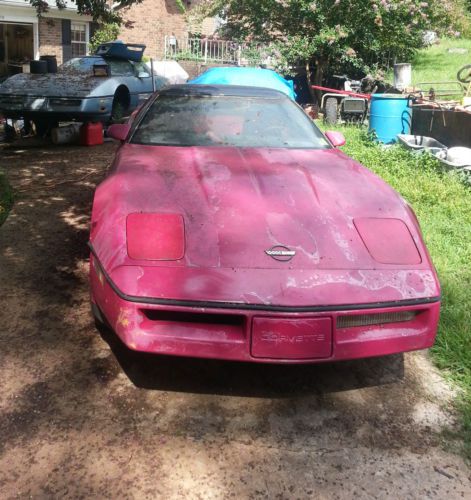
pixel 230 228
pixel 74 93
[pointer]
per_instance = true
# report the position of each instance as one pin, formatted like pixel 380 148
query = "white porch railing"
pixel 208 50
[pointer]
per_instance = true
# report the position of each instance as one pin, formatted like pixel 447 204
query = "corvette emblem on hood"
pixel 281 253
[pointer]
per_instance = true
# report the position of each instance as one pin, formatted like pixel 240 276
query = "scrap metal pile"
pixel 449 95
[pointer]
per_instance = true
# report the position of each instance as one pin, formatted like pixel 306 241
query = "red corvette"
pixel 230 227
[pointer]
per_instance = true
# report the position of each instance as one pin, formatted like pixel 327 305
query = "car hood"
pixel 65 84
pixel 237 203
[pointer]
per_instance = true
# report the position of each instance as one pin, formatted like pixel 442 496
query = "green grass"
pixel 436 64
pixel 442 203
pixel 6 198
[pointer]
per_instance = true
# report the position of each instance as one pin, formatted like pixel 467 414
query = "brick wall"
pixel 50 38
pixel 149 22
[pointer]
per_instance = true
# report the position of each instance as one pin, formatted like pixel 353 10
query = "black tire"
pixel 464 74
pixel 331 111
pixel 38 67
pixel 120 105
pixel 117 111
pixel 51 63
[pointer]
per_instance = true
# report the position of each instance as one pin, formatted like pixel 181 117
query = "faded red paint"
pixel 236 204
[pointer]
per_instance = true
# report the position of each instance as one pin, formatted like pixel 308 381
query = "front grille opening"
pixel 352 320
pixel 65 102
pixel 190 317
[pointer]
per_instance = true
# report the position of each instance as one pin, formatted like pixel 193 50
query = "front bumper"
pixel 257 335
pixel 56 108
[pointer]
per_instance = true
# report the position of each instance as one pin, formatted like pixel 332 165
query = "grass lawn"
pixel 436 64
pixel 443 206
pixel 6 198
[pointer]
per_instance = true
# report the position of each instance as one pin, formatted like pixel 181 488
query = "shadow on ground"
pixel 203 376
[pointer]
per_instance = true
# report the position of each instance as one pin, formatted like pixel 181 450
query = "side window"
pixel 141 69
pixel 120 68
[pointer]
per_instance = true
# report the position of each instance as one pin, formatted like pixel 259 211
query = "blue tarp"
pixel 251 77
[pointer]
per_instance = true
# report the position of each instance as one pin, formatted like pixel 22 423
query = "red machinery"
pixel 343 92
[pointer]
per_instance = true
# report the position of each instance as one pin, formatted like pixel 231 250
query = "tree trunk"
pixel 309 83
pixel 319 77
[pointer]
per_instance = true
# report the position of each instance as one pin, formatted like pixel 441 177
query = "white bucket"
pixel 66 135
pixel 402 75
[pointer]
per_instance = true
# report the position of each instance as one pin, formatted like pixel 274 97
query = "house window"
pixel 79 39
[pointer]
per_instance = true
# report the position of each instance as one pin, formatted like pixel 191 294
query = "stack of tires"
pixel 46 64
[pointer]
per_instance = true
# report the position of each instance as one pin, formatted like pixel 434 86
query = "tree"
pixel 98 9
pixel 107 32
pixel 358 34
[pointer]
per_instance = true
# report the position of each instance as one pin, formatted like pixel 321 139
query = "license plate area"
pixel 291 338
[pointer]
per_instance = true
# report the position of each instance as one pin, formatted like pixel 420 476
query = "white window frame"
pixel 87 34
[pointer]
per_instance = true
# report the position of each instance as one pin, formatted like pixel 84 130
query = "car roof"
pixel 191 89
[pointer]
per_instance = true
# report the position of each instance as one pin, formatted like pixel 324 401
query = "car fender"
pixel 108 87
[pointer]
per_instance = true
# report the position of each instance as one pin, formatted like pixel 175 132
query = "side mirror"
pixel 143 74
pixel 118 131
pixel 337 139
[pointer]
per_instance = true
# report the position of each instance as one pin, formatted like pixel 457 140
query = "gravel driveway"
pixel 81 417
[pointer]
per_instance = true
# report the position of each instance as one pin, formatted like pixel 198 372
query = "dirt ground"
pixel 81 416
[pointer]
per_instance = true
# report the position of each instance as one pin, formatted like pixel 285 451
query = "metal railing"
pixel 208 50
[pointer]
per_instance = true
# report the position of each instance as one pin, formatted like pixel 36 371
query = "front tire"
pixel 121 105
pixel 331 111
pixel 118 110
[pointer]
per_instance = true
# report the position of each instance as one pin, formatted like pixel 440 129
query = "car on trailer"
pixel 231 227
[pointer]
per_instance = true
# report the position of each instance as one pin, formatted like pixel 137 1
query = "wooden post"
pixel 152 71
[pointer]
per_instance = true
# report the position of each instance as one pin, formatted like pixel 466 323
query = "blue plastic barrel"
pixel 389 116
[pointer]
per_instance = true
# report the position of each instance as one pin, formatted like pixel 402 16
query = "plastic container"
pixel 91 134
pixel 66 135
pixel 389 115
pixel 402 75
pixel 51 62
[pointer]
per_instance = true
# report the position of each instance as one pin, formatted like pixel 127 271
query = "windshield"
pixel 82 64
pixel 255 122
